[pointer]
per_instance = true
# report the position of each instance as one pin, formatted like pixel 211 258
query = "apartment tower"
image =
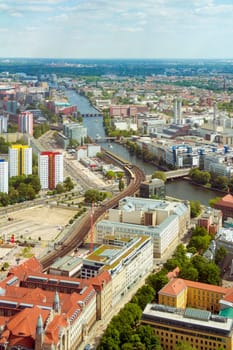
pixel 50 167
pixel 20 160
pixel 3 176
pixel 3 124
pixel 25 123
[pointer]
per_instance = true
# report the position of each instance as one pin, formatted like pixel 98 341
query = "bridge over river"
pixel 175 174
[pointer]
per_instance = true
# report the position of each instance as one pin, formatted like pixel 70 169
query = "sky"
pixel 116 28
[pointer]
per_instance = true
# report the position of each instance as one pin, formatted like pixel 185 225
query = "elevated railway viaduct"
pixel 81 229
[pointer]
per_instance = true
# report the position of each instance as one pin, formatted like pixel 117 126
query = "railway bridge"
pixel 81 229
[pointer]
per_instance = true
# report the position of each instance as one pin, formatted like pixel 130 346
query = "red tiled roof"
pixel 205 286
pixel 177 285
pixel 229 296
pixel 174 273
pixel 173 287
pixel 23 324
pixel 31 265
pixel 226 201
pixel 53 329
pixel 99 280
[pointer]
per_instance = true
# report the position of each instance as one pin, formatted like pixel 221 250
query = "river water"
pixel 178 188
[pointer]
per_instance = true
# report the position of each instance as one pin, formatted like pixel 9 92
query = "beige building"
pixel 165 222
pixel 126 259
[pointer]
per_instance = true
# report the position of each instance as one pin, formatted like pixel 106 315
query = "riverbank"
pixel 180 189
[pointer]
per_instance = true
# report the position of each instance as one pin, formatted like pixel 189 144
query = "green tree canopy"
pixel 220 254
pixel 159 175
pixel 195 208
pixel 213 201
pixel 68 184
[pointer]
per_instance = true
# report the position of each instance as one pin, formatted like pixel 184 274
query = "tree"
pixel 68 184
pixel 110 175
pixel 201 243
pixel 121 185
pixel 213 201
pixel 158 280
pixel 184 346
pixel 219 182
pixel 159 175
pixel 144 296
pixel 200 177
pixel 171 264
pixel 59 188
pixel 148 337
pixel 189 273
pixel 95 196
pixel 195 208
pixel 73 143
pixel 220 254
pixel 4 199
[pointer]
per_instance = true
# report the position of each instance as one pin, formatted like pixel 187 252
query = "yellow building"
pixel 183 293
pixel 198 328
pixel 20 160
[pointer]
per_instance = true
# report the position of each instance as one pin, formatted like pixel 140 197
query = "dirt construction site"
pixel 43 224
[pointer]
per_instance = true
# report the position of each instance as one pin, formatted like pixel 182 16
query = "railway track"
pixel 81 229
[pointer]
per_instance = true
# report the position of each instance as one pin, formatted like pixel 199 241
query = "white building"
pixel 50 169
pixel 20 160
pixel 3 176
pixel 3 124
pixel 127 261
pixel 25 122
pixel 88 151
pixel 164 221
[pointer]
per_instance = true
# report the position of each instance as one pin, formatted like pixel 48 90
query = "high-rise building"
pixel 3 124
pixel 25 122
pixel 20 160
pixel 50 167
pixel 3 176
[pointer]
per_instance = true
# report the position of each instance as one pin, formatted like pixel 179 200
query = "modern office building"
pixel 75 131
pixel 153 187
pixel 50 169
pixel 3 124
pixel 11 106
pixel 25 123
pixel 126 259
pixel 20 160
pixel 3 176
pixel 162 235
pixel 199 328
pixel 164 221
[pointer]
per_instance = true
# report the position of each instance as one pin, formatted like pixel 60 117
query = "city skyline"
pixel 132 29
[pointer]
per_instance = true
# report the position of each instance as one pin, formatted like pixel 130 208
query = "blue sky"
pixel 116 28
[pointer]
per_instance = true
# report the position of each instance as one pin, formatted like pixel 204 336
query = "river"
pixel 179 188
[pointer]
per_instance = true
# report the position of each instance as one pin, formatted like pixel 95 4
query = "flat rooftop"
pixel 109 256
pixel 194 319
pixel 66 263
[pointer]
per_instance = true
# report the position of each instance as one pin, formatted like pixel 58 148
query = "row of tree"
pixel 23 188
pixel 125 332
pixel 196 268
pixel 211 180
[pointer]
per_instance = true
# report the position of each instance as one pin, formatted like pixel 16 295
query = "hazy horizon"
pixel 104 29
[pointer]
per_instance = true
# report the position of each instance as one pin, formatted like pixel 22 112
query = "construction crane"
pixel 91 245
